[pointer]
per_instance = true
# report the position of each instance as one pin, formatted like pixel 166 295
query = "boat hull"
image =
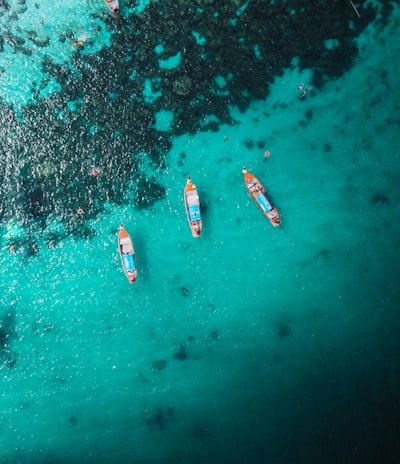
pixel 127 254
pixel 192 206
pixel 261 198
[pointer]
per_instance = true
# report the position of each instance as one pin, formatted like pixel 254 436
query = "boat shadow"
pixel 205 206
pixel 142 259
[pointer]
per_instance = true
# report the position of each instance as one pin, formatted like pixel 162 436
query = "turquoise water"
pixel 252 344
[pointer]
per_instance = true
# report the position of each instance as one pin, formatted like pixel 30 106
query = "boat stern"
pixel 196 227
pixel 132 277
pixel 274 217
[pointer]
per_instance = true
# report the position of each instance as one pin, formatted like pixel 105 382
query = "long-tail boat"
pixel 261 197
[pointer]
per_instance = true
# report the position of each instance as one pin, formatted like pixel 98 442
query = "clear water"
pixel 252 344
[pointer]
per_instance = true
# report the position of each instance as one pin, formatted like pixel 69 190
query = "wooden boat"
pixel 192 205
pixel 113 6
pixel 127 253
pixel 261 198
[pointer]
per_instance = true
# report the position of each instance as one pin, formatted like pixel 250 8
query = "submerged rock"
pixel 185 291
pixel 283 330
pixel 181 354
pixel 155 419
pixel 159 365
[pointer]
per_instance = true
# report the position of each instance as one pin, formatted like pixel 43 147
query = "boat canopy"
pixel 194 212
pixel 129 262
pixel 264 202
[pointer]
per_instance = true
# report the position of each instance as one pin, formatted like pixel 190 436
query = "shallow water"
pixel 252 344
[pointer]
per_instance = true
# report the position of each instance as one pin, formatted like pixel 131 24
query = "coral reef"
pixel 228 56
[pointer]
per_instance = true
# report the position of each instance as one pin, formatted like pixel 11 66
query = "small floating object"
pixel 113 6
pixel 303 94
pixel 127 253
pixel 354 8
pixel 261 198
pixel 301 86
pixel 94 173
pixel 79 211
pixel 192 206
pixel 267 154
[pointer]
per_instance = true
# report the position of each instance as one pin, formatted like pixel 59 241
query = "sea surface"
pixel 252 344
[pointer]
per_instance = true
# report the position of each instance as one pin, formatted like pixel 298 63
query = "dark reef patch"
pixel 32 248
pixel 261 144
pixel 157 419
pixel 181 354
pixel 214 334
pixel 49 145
pixel 159 365
pixel 324 253
pixel 73 420
pixel 52 239
pixel 283 330
pixel 308 114
pixel 380 198
pixel 185 291
pixel 154 419
pixel 212 126
pixel 14 245
pixel 249 144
